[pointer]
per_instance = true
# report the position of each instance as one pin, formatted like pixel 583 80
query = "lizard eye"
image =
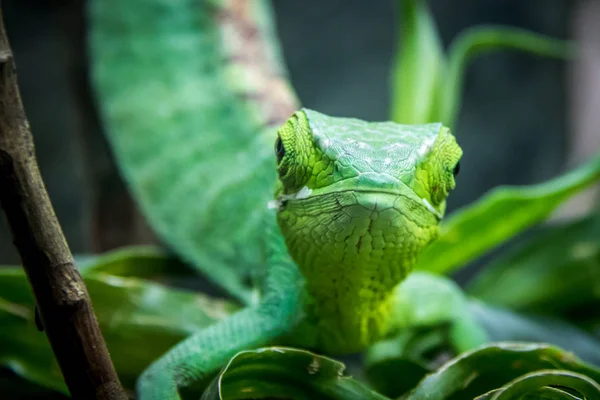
pixel 279 150
pixel 456 169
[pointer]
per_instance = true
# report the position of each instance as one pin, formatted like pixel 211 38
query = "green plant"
pixel 136 310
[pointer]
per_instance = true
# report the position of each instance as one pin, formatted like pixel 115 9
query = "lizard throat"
pixel 353 248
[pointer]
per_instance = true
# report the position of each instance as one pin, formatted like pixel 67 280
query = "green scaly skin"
pixel 191 95
pixel 376 194
pixel 355 204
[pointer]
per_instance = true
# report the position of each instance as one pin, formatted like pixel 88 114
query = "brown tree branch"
pixel 62 299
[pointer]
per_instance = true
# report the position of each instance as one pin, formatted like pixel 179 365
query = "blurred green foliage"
pixel 535 292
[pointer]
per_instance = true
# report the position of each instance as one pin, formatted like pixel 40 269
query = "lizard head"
pixel 361 195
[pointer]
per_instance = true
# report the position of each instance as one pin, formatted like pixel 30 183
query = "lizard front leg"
pixel 426 300
pixel 208 350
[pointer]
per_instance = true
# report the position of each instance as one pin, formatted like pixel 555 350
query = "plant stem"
pixel 62 299
pixel 479 40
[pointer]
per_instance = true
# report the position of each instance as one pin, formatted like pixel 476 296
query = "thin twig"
pixel 63 303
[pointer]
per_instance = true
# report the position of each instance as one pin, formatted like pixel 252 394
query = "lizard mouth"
pixel 432 209
pixel 306 193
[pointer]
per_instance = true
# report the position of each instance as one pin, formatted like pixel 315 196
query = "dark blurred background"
pixel 524 119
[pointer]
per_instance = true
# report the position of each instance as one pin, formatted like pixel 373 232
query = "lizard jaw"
pixel 305 192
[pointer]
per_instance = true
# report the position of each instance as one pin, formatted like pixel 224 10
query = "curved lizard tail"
pixel 190 93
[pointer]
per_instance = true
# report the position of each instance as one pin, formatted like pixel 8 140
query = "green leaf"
pixel 534 381
pixel 281 372
pixel 500 215
pixel 26 351
pixel 408 354
pixel 507 325
pixel 476 41
pixel 190 123
pixel 146 262
pixel 545 393
pixel 498 365
pixel 140 320
pixel 417 66
pixel 555 271
pixel 414 352
pixel 15 388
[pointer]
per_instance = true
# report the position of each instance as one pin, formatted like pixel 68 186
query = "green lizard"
pixel 355 203
pixel 192 97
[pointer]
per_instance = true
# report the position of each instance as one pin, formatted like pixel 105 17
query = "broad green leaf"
pixel 383 376
pixel 492 367
pixel 146 262
pixel 414 344
pixel 15 388
pixel 543 393
pixel 479 40
pixel 507 325
pixel 408 354
pixel 135 261
pixel 555 271
pixel 499 215
pixel 531 383
pixel 417 66
pixel 24 350
pixel 140 320
pixel 281 372
pixel 190 104
pixel 413 353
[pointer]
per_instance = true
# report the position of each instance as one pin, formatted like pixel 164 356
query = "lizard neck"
pixel 348 319
pixel 353 249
